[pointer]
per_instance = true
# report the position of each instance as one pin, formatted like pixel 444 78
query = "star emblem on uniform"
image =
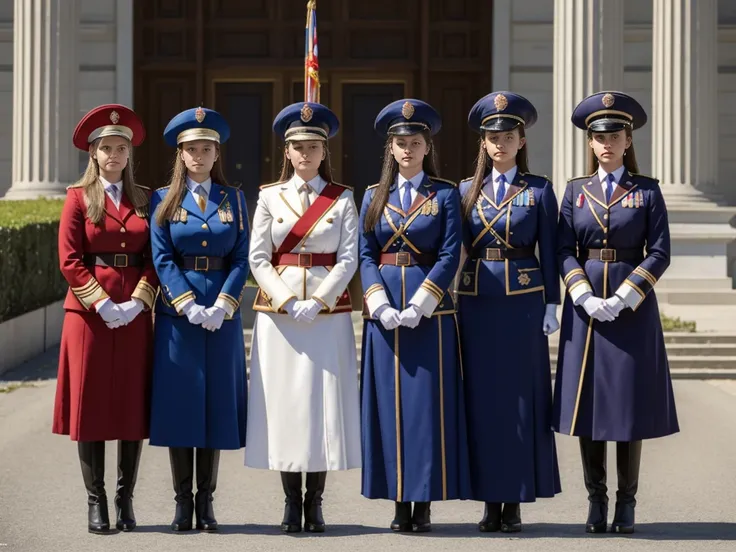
pixel 501 102
pixel 114 117
pixel 200 115
pixel 307 113
pixel 407 110
pixel 608 100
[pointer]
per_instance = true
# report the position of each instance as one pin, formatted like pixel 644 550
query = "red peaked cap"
pixel 109 120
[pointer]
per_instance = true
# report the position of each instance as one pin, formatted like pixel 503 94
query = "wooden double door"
pixel 245 59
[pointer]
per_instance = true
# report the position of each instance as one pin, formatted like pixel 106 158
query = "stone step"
pixel 688 350
pixel 689 362
pixel 694 297
pixel 703 285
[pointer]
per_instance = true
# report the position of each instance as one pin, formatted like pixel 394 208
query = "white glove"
pixel 616 304
pixel 306 311
pixel 111 313
pixel 411 316
pixel 597 308
pixel 550 324
pixel 194 312
pixel 215 316
pixel 290 308
pixel 131 309
pixel 389 317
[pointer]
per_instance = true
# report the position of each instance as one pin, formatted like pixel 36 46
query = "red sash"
pixel 307 221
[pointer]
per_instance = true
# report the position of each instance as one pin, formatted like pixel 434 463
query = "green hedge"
pixel 29 256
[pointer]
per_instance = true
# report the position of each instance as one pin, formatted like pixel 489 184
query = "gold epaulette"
pixel 344 186
pixel 585 176
pixel 264 186
pixel 438 179
pixel 372 186
pixel 542 176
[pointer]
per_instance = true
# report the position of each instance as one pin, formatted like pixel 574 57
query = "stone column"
pixel 588 58
pixel 45 75
pixel 685 96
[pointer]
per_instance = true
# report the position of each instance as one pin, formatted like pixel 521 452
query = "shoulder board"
pixel 264 186
pixel 542 176
pixel 236 186
pixel 437 179
pixel 77 185
pixel 372 186
pixel 470 178
pixel 343 186
pixel 583 177
pixel 645 176
pixel 142 186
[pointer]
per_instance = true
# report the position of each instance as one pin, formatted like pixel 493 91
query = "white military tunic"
pixel 303 409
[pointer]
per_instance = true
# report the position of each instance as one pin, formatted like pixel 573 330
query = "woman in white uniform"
pixel 303 410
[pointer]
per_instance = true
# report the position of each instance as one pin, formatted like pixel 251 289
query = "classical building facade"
pixel 59 58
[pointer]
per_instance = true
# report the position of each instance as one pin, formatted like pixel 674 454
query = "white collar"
pixel 106 184
pixel 415 181
pixel 617 174
pixel 509 174
pixel 317 183
pixel 192 185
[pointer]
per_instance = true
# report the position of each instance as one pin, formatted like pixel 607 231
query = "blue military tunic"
pixel 413 412
pixel 613 381
pixel 199 379
pixel 508 388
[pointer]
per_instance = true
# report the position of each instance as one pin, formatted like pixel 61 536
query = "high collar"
pixel 106 184
pixel 415 181
pixel 192 185
pixel 317 183
pixel 617 174
pixel 509 174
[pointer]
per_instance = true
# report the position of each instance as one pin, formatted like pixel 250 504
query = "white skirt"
pixel 303 409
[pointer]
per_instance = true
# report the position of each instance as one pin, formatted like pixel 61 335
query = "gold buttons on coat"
pixel 605 217
pixel 122 245
pixel 279 220
pixel 204 243
pixel 204 226
pixel 122 230
pixel 330 221
pixel 605 230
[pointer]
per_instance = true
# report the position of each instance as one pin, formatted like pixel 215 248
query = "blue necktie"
pixel 113 192
pixel 609 187
pixel 501 192
pixel 406 198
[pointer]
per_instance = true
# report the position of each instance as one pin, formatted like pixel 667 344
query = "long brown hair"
pixel 388 176
pixel 325 167
pixel 482 168
pixel 94 191
pixel 629 155
pixel 178 185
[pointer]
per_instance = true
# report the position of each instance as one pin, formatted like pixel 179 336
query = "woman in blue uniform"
pixel 508 300
pixel 613 381
pixel 199 238
pixel 413 412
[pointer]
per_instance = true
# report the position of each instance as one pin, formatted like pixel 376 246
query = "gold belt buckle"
pixel 608 255
pixel 307 263
pixel 493 254
pixel 120 261
pixel 201 268
pixel 403 258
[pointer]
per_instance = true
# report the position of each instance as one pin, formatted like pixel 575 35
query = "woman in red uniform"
pixel 103 388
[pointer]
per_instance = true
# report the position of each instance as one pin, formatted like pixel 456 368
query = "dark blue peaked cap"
pixel 501 111
pixel 306 121
pixel 406 117
pixel 198 123
pixel 609 112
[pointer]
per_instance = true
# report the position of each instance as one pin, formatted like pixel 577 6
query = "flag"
pixel 311 55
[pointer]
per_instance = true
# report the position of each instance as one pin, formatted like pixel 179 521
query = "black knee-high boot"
pixel 593 454
pixel 129 455
pixel 628 459
pixel 92 461
pixel 208 463
pixel 313 520
pixel 402 517
pixel 182 472
pixel 292 484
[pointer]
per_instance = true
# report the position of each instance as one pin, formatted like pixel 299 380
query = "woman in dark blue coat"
pixel 508 299
pixel 199 237
pixel 613 380
pixel 413 412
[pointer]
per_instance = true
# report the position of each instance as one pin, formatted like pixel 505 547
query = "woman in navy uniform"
pixel 613 381
pixel 304 252
pixel 508 300
pixel 199 238
pixel 413 412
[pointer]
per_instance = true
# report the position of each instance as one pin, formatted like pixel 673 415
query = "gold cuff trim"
pixel 89 293
pixel 281 306
pixel 323 302
pixel 636 288
pixel 433 288
pixel 146 293
pixel 89 285
pixel 229 299
pixel 375 288
pixel 574 272
pixel 578 284
pixel 177 301
pixel 644 273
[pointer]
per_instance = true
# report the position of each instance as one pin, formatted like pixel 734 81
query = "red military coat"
pixel 103 388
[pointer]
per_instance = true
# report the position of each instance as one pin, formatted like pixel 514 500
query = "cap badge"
pixel 608 100
pixel 199 114
pixel 306 113
pixel 407 110
pixel 114 117
pixel 500 102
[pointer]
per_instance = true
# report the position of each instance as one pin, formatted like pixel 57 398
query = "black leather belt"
pixel 203 264
pixel 406 258
pixel 613 255
pixel 117 260
pixel 498 254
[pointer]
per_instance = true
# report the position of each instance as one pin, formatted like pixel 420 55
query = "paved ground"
pixel 687 499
